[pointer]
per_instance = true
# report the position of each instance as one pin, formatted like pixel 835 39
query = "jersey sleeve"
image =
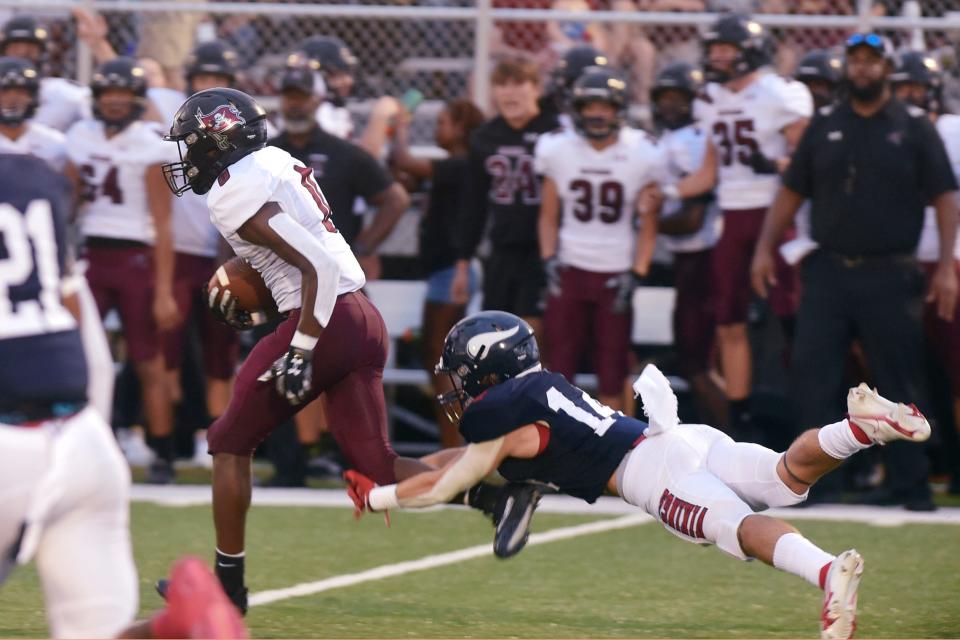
pixel 237 195
pixel 542 155
pixel 936 171
pixel 152 148
pixel 494 414
pixel 791 102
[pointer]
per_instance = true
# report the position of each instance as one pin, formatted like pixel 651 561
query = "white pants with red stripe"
pixel 68 482
pixel 700 484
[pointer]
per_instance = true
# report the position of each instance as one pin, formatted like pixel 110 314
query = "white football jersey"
pixel 40 141
pixel 62 103
pixel 740 123
pixel 683 154
pixel 598 192
pixel 113 172
pixel 273 175
pixel 928 250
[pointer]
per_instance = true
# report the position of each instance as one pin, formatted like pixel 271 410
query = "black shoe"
pixel 237 597
pixel 161 472
pixel 161 586
pixel 919 504
pixel 513 516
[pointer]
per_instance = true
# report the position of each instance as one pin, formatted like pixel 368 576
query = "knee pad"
pixel 751 471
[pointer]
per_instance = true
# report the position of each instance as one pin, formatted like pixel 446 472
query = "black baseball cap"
pixel 297 78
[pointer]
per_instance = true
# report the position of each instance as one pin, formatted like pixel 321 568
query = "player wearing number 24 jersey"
pixel 594 254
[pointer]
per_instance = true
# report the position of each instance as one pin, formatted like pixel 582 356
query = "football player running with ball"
pixel 268 207
pixel 531 424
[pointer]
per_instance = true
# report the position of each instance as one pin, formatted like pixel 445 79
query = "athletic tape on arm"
pixel 328 271
pixel 470 468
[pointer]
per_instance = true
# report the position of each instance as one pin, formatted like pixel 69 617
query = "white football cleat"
pixel 883 420
pixel 839 617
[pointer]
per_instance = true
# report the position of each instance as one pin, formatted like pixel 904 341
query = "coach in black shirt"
pixel 343 170
pixel 869 165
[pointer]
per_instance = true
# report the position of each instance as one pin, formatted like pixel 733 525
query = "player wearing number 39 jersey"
pixel 533 425
pixel 593 254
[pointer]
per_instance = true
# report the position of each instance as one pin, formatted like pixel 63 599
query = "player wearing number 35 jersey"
pixel 754 118
pixel 593 254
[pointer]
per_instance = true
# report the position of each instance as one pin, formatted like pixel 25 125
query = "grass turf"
pixel 638 582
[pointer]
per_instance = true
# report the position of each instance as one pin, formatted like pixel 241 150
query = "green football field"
pixel 631 581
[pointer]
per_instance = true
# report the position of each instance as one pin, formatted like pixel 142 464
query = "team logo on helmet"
pixel 220 121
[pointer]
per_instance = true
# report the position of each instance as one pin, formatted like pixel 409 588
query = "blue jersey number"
pixel 43 313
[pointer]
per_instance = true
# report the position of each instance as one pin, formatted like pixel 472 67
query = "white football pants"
pixel 68 481
pixel 700 484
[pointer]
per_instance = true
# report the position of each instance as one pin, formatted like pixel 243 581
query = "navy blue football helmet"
pixel 481 351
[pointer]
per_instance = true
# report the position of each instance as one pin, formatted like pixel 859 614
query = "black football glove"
pixel 292 373
pixel 762 165
pixel 224 308
pixel 551 268
pixel 625 283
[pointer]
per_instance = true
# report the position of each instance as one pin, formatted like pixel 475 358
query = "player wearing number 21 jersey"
pixel 594 254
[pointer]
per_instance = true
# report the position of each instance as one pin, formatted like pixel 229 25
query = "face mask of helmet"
pixel 118 123
pixel 14 116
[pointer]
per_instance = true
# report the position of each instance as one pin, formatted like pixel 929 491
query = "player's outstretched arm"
pixel 165 310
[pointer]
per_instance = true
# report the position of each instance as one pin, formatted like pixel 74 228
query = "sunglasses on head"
pixel 869 39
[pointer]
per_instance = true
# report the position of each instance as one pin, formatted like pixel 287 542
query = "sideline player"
pixel 115 161
pixel 64 485
pixel 62 102
pixel 755 118
pixel 531 424
pixel 595 257
pixel 689 230
pixel 269 208
pixel 19 97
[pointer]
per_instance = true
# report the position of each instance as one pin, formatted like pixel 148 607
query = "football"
pixel 246 285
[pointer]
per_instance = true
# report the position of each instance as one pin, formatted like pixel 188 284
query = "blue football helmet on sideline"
pixel 481 351
pixel 745 33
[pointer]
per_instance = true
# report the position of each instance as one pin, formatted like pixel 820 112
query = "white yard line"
pixel 183 496
pixel 439 560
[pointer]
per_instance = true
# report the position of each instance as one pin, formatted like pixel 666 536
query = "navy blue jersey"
pixel 41 354
pixel 587 439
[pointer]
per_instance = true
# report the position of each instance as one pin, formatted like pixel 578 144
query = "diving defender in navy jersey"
pixel 532 425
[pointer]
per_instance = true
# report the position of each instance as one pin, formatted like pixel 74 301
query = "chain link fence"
pixel 445 48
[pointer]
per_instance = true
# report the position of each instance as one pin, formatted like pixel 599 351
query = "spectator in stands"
pixel 438 239
pixel 115 161
pixel 602 249
pixel 19 97
pixel 344 172
pixel 564 34
pixel 793 43
pixel 62 102
pixel 168 37
pixel 502 185
pixel 917 80
pixel 521 39
pixel 869 165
